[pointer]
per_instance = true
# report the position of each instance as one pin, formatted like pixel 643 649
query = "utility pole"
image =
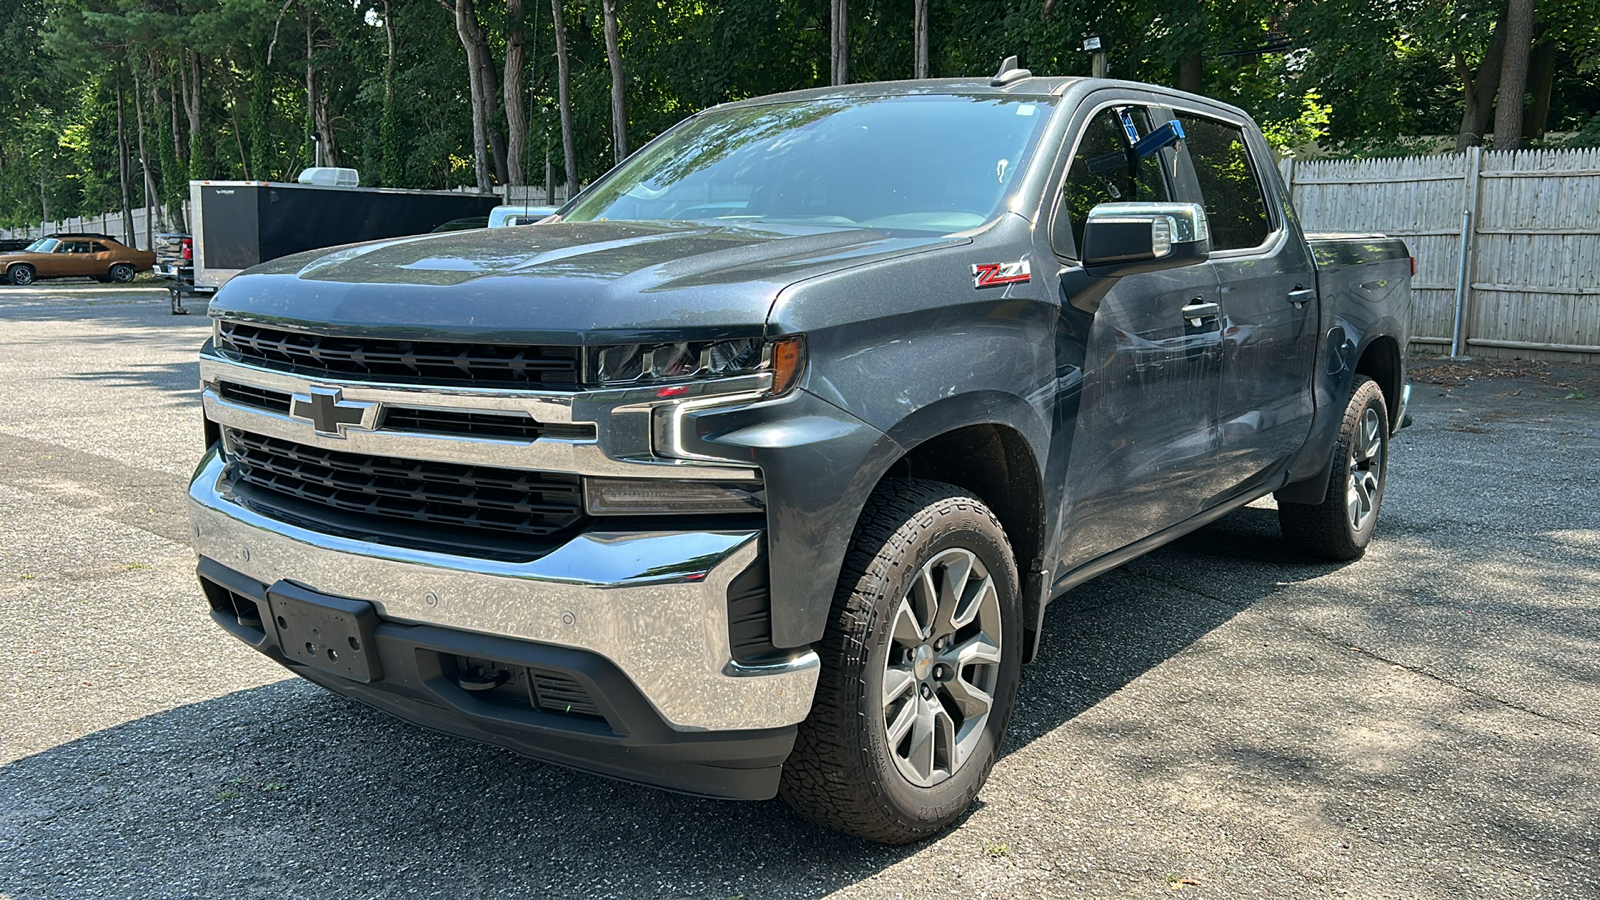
pixel 1099 67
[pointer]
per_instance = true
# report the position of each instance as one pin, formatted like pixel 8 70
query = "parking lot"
pixel 1218 719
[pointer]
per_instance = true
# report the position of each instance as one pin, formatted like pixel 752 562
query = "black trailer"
pixel 238 224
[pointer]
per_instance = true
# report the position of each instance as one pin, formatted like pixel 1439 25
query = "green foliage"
pixel 1361 76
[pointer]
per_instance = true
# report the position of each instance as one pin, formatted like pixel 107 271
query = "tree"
pixel 919 29
pixel 569 147
pixel 1513 75
pixel 619 109
pixel 516 112
pixel 839 41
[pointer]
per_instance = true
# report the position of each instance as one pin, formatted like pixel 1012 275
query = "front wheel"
pixel 920 664
pixel 122 273
pixel 20 274
pixel 1341 526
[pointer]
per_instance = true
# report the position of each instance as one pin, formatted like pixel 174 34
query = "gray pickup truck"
pixel 754 470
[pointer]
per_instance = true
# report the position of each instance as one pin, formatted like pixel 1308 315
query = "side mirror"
pixel 1124 238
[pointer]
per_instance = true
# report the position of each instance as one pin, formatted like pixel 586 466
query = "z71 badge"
pixel 996 274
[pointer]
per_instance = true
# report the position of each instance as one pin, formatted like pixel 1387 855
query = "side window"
pixel 99 248
pixel 1105 170
pixel 1228 183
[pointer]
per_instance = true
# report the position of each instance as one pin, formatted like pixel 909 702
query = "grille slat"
pixel 460 496
pixel 443 363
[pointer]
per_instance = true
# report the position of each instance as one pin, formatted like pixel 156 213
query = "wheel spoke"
pixel 979 649
pixel 902 724
pixel 972 700
pixel 920 755
pixel 907 630
pixel 895 684
pixel 924 599
pixel 953 588
pixel 944 742
pixel 979 592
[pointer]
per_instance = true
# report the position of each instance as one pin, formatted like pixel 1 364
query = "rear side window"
pixel 1228 183
pixel 100 248
pixel 1105 170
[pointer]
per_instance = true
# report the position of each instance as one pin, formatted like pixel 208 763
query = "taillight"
pixel 1413 267
pixel 188 253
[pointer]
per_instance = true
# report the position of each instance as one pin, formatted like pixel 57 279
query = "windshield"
pixel 43 245
pixel 918 163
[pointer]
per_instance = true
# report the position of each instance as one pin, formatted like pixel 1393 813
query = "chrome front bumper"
pixel 653 603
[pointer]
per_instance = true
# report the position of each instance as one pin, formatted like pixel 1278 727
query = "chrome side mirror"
pixel 1124 238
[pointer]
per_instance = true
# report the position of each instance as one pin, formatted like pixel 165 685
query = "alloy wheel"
pixel 1366 470
pixel 942 667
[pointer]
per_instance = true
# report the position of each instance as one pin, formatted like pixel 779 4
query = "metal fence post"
pixel 1470 226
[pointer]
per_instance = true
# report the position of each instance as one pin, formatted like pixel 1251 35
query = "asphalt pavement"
pixel 1218 719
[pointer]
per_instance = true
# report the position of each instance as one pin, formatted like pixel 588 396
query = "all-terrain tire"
pixel 845 772
pixel 1341 526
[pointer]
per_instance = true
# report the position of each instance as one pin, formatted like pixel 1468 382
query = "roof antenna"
pixel 1009 72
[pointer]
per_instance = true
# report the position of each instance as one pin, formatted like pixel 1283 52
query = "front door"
pixel 1145 439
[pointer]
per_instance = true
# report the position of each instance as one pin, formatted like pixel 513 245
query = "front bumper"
pixel 652 604
pixel 584 713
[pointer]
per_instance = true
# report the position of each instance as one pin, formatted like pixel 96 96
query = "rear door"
pixel 1144 442
pixel 1267 291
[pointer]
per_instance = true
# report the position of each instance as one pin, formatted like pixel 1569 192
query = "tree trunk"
pixel 1541 77
pixel 177 132
pixel 392 171
pixel 619 110
pixel 318 109
pixel 1191 73
pixel 569 148
pixel 516 112
pixel 122 171
pixel 144 163
pixel 191 105
pixel 919 29
pixel 1508 111
pixel 471 35
pixel 1478 99
pixel 839 41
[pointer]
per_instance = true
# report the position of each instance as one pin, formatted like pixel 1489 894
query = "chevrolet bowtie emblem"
pixel 332 415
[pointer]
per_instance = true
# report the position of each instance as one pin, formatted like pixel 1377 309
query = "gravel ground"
pixel 1218 719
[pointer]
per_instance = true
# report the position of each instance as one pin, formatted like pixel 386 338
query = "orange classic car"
pixel 75 256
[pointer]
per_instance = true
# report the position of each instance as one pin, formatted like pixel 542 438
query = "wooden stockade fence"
pixel 1531 223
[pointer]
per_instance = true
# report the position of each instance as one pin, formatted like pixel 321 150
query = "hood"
pixel 560 282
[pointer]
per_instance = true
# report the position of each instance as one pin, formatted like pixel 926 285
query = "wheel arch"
pixel 1381 360
pixel 996 461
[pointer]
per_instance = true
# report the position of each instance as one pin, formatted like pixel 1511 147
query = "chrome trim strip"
pixel 653 603
pixel 622 448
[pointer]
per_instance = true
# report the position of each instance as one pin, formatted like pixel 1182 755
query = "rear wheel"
pixel 919 669
pixel 122 273
pixel 1341 526
pixel 20 274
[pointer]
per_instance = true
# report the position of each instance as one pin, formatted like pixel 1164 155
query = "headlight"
pixel 624 365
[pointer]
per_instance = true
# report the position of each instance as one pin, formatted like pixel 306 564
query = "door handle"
pixel 1199 310
pixel 1300 295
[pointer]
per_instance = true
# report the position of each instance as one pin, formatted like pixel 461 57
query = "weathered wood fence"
pixel 1523 226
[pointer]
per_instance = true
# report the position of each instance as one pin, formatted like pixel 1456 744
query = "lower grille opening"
pixel 241 608
pixel 521 687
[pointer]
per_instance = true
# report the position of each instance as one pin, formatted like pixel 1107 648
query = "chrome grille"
pixel 474 498
pixel 441 363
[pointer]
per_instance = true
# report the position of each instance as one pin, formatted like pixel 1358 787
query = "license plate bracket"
pixel 331 634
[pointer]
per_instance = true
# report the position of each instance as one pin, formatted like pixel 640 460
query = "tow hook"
pixel 481 680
